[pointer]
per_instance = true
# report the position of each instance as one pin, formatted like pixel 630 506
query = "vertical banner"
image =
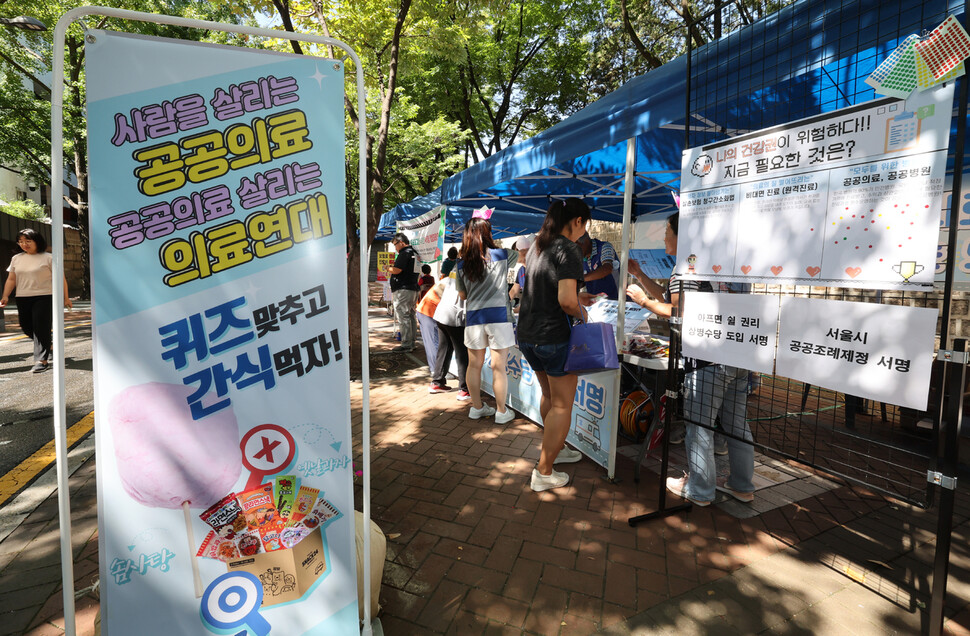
pixel 426 233
pixel 225 494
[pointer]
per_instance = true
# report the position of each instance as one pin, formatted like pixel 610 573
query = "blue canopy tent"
pixel 505 223
pixel 809 58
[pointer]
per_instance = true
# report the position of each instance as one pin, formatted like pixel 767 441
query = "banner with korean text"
pixel 426 233
pixel 849 198
pixel 225 470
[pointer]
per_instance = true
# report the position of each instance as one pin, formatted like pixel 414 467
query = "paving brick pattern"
pixel 472 550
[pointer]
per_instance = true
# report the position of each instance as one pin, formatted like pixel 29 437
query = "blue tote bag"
pixel 592 348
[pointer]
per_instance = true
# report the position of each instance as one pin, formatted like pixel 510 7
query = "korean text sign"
pixel 426 233
pixel 220 287
pixel 849 198
pixel 878 352
pixel 734 329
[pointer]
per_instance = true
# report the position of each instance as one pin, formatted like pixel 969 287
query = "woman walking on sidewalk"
pixel 553 274
pixel 481 283
pixel 31 274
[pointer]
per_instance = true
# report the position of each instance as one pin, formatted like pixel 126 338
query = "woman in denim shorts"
pixel 550 295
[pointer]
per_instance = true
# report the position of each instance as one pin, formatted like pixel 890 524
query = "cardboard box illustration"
pixel 286 574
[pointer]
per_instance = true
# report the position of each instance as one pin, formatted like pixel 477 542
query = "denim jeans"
pixel 717 389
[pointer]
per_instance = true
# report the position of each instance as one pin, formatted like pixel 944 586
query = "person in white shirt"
pixel 31 274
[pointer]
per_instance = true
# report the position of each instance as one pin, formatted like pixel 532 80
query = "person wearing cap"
pixel 404 290
pixel 600 266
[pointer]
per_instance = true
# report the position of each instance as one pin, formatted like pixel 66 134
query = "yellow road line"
pixel 17 478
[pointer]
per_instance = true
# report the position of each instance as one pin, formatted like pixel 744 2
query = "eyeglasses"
pixel 24 241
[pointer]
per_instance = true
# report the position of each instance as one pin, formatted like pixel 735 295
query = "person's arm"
pixel 515 291
pixel 8 288
pixel 656 306
pixel 67 298
pixel 651 287
pixel 604 270
pixel 569 299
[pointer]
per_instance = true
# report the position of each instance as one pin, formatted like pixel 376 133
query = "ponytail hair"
pixel 476 239
pixel 559 215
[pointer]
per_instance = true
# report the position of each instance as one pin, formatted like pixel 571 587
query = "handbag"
pixel 592 348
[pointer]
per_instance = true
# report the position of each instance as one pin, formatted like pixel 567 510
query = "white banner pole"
pixel 57 218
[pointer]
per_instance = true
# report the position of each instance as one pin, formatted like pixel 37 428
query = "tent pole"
pixel 629 185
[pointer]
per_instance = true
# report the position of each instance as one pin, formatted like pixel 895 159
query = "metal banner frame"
pixel 57 218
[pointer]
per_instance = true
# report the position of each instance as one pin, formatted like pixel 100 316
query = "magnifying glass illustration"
pixel 266 450
pixel 232 601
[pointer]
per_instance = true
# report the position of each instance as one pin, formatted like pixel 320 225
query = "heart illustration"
pixel 746 269
pixel 776 269
pixel 813 271
pixel 853 271
pixel 716 268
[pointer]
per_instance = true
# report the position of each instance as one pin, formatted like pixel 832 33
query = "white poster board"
pixel 734 329
pixel 849 198
pixel 426 234
pixel 220 305
pixel 605 310
pixel 879 352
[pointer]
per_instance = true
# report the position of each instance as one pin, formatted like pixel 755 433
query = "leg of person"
pixel 457 337
pixel 500 383
pixel 476 360
pixel 400 299
pixel 25 317
pixel 443 356
pixel 429 338
pixel 701 404
pixel 545 403
pixel 555 425
pixel 739 483
pixel 42 315
pixel 410 327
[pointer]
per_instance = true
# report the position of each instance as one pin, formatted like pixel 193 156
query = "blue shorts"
pixel 547 358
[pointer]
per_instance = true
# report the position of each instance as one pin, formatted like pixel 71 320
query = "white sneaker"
pixel 542 482
pixel 567 456
pixel 485 411
pixel 505 416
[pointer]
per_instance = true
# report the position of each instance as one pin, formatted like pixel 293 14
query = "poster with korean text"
pixel 734 329
pixel 426 233
pixel 878 352
pixel 850 198
pixel 221 355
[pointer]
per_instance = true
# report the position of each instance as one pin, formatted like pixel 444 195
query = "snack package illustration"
pixel 225 517
pixel 285 492
pixel 305 499
pixel 257 505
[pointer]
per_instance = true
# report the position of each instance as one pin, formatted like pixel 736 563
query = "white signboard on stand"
pixel 850 198
pixel 734 329
pixel 221 338
pixel 878 352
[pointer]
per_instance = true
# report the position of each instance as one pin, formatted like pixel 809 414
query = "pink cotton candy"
pixel 164 456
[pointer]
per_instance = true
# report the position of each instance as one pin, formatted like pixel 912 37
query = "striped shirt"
pixel 487 300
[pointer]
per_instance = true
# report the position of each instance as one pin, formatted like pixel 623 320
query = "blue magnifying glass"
pixel 232 601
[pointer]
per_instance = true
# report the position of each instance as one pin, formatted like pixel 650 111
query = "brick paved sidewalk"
pixel 472 550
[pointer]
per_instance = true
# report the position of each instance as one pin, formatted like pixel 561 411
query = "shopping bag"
pixel 592 348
